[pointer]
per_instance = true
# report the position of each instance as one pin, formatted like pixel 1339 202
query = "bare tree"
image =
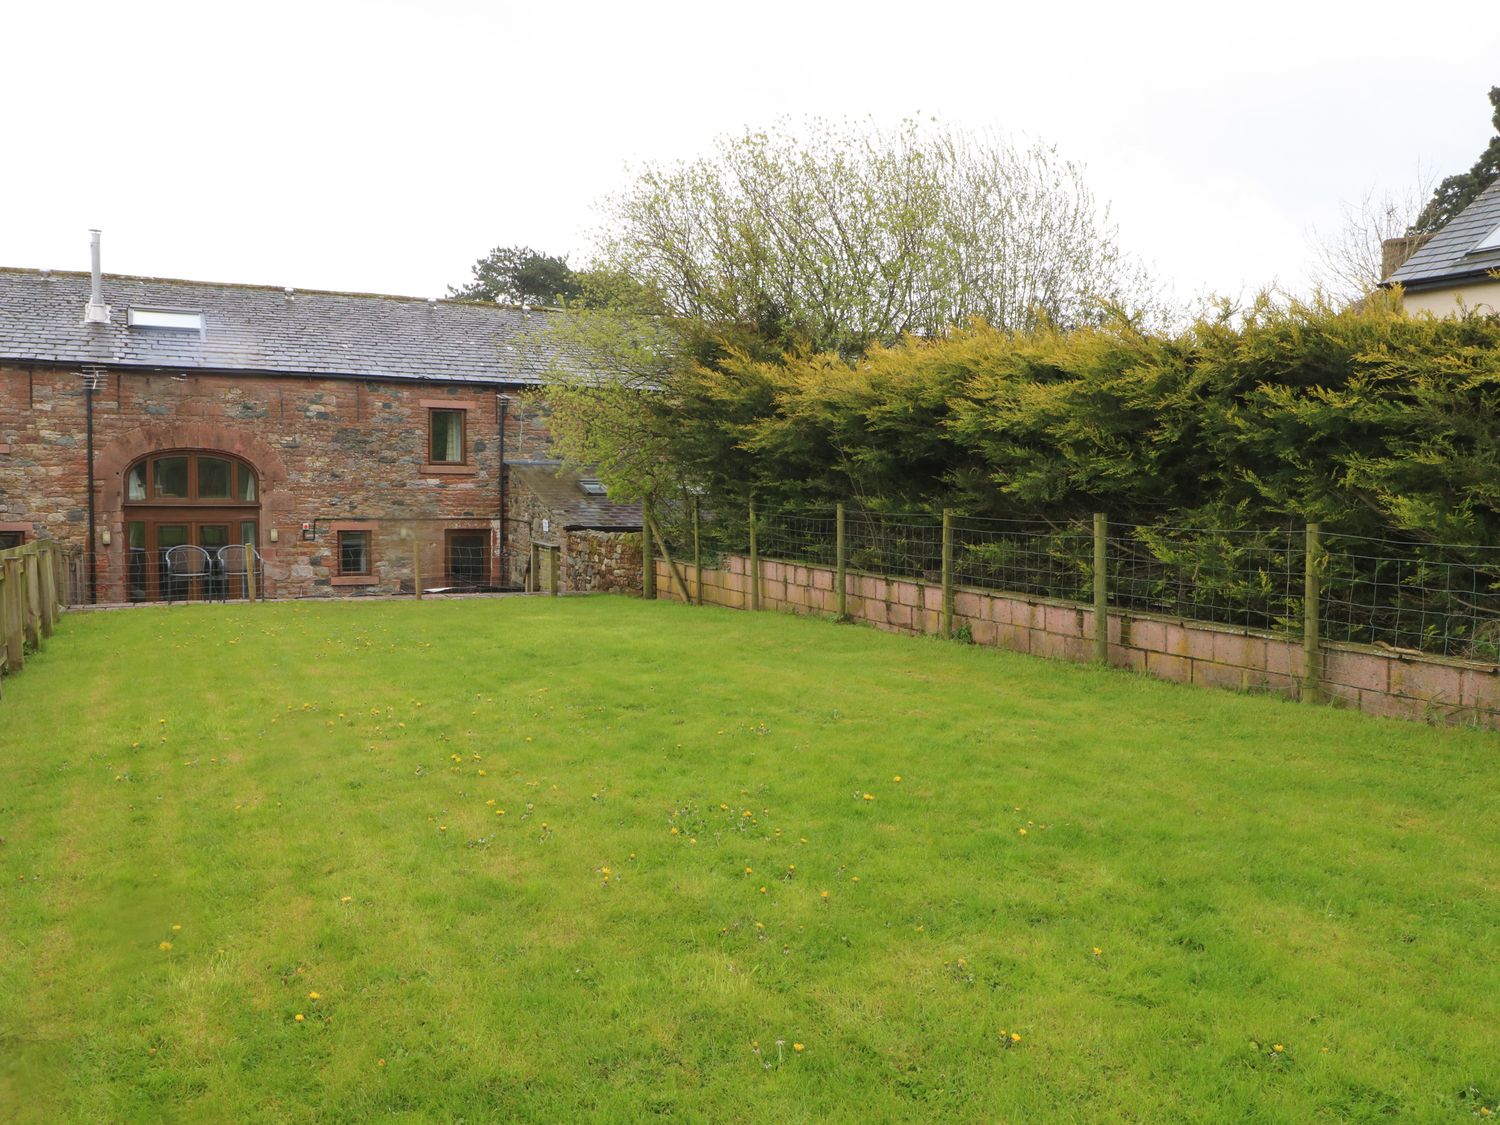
pixel 1349 263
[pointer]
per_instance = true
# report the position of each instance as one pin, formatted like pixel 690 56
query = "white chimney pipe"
pixel 96 312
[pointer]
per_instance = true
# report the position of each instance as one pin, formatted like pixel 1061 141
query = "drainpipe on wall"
pixel 91 377
pixel 502 406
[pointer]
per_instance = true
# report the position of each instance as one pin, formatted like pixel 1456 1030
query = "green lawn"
pixel 724 835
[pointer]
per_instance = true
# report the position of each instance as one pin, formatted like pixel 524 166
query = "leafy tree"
pixel 1457 192
pixel 520 275
pixel 841 238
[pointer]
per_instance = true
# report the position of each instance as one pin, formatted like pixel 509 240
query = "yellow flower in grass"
pixel 869 796
pixel 1098 952
pixel 798 1047
pixel 1278 1047
pixel 164 946
pixel 1015 1036
pixel 315 996
pixel 298 1017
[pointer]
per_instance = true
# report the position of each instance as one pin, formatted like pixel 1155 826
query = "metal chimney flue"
pixel 96 311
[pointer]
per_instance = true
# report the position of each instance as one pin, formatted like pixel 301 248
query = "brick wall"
pixel 325 450
pixel 1368 679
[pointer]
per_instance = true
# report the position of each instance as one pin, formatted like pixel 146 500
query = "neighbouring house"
pixel 1456 268
pixel 357 441
pixel 565 518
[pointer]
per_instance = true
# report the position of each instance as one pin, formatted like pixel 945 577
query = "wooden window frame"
pixel 461 468
pixel 192 499
pixel 27 532
pixel 338 529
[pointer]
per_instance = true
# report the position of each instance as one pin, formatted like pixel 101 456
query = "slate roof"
pixel 1446 258
pixel 258 328
pixel 574 508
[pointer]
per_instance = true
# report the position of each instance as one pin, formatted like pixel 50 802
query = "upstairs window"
pixel 445 430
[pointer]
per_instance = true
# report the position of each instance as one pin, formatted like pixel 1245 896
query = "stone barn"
pixel 355 441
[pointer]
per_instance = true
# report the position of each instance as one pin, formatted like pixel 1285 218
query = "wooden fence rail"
pixel 35 584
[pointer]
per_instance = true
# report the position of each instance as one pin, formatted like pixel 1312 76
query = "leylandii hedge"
pixel 1367 420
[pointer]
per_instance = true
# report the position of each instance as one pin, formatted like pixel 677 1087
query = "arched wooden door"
pixel 181 497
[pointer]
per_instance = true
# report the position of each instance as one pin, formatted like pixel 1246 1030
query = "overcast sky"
pixel 383 145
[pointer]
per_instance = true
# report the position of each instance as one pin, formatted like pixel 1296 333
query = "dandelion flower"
pixel 176 926
pixel 798 1047
pixel 824 894
pixel 1022 831
pixel 897 779
pixel 869 796
pixel 315 996
pixel 347 898
pixel 298 1017
pixel 1015 1036
pixel 748 870
pixel 1098 952
pixel 1278 1047
pixel 380 1062
pixel 164 946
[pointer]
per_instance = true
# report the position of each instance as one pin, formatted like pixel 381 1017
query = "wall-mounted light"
pixel 104 537
pixel 273 535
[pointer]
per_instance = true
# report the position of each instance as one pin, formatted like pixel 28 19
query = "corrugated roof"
pixel 1447 254
pixel 558 490
pixel 259 328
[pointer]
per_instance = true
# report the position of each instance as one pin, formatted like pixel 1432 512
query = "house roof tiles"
pixel 262 329
pixel 1447 255
pixel 558 489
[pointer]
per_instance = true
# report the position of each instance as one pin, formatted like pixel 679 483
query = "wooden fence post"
pixel 1101 588
pixel 15 615
pixel 1311 595
pixel 33 601
pixel 947 619
pixel 416 565
pixel 250 573
pixel 46 588
pixel 754 562
pixel 554 558
pixel 648 552
pixel 841 578
pixel 697 554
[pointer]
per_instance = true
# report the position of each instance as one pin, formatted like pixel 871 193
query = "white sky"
pixel 383 145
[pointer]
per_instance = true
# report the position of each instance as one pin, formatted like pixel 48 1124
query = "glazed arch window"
pixel 188 477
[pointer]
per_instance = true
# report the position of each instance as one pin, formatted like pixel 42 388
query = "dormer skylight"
pixel 173 320
pixel 591 486
pixel 1491 241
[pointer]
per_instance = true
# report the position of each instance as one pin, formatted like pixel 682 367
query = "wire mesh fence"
pixel 1253 579
pixel 1438 599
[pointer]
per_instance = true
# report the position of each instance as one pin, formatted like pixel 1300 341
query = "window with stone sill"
pixel 446 444
pixel 353 554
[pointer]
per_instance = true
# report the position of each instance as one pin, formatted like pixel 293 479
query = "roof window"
pixel 173 320
pixel 591 486
pixel 1489 242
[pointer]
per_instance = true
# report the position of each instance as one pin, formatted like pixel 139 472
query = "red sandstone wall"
pixel 325 449
pixel 1368 679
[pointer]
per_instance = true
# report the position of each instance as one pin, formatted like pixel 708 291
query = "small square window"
pixel 446 433
pixel 9 539
pixel 354 553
